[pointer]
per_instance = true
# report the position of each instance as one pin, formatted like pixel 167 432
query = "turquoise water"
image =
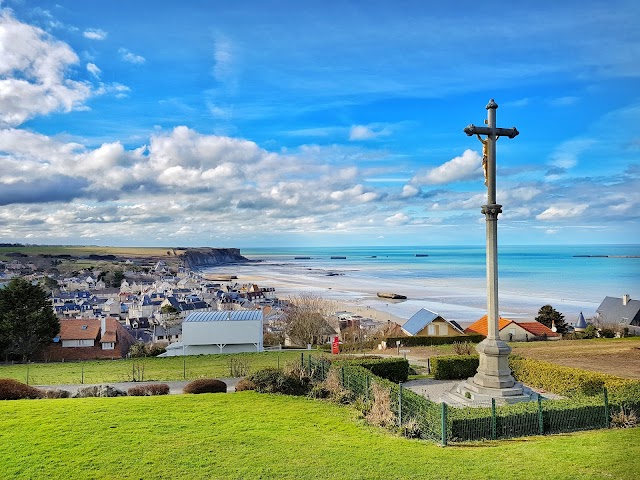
pixel 453 278
pixel 549 270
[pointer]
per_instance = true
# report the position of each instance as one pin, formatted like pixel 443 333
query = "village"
pixel 177 310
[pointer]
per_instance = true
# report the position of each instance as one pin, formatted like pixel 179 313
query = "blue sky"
pixel 254 123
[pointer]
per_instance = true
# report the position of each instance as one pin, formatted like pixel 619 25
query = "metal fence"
pixel 439 422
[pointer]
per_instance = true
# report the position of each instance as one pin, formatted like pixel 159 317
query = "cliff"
pixel 211 257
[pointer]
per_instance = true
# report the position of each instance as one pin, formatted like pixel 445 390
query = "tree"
pixel 549 316
pixel 118 277
pixel 308 319
pixel 27 319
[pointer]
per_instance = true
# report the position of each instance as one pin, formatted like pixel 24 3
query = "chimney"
pixel 625 299
pixel 103 326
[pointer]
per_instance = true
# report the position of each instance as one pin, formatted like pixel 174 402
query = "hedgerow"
pixel 454 367
pixel 395 370
pixel 206 385
pixel 13 390
pixel 431 341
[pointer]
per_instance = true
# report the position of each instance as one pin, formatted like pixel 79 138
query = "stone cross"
pixel 493 371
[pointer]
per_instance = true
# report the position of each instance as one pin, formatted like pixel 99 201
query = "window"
pixel 108 346
pixel 443 330
pixel 431 329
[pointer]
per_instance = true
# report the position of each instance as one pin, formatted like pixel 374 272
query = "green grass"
pixel 248 435
pixel 152 368
pixel 79 250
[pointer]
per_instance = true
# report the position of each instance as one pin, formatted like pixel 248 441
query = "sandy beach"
pixel 354 293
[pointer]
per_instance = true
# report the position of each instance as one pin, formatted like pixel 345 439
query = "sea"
pixel 451 280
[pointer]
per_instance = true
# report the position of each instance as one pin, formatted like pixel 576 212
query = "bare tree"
pixel 310 319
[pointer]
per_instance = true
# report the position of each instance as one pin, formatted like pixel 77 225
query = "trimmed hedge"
pixel 206 385
pixel 454 367
pixel 244 385
pixel 566 381
pixel 431 341
pixel 149 390
pixel 395 370
pixel 11 389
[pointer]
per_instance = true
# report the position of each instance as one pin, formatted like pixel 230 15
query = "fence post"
pixel 184 366
pixel 400 404
pixel 301 360
pixel 27 374
pixel 606 408
pixel 278 361
pixel 133 371
pixel 428 366
pixel 366 387
pixel 540 417
pixel 309 364
pixel 82 374
pixel 493 419
pixel 342 374
pixel 443 416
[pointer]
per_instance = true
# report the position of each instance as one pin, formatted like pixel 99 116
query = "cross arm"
pixel 471 130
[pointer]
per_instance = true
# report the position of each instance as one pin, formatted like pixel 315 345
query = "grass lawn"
pixel 248 435
pixel 79 250
pixel 152 368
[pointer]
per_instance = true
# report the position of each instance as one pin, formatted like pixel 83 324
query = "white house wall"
pixel 224 332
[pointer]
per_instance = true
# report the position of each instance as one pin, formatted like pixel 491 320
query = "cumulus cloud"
pixel 33 68
pixel 131 57
pixel 397 219
pixel 94 34
pixel 562 211
pixel 465 167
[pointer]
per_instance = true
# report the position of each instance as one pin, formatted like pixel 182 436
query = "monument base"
pixel 470 394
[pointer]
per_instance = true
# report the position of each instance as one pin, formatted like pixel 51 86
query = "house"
pixel 510 331
pixel 617 311
pixel 89 338
pixel 427 323
pixel 581 325
pixel 230 331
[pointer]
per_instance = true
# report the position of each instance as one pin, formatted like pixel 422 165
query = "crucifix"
pixel 494 371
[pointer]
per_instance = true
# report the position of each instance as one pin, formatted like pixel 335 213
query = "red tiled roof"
pixel 538 329
pixel 480 326
pixel 79 328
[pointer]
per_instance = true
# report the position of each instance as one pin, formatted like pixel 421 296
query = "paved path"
pixel 175 387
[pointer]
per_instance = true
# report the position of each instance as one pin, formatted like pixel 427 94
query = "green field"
pixel 248 435
pixel 151 368
pixel 83 250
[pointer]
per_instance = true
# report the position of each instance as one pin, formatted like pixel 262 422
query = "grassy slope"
pixel 79 250
pixel 170 368
pixel 247 435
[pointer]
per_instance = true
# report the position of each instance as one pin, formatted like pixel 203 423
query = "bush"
pixel 454 367
pixel 395 370
pixel 149 390
pixel 13 390
pixel 238 367
pixel 271 380
pixel 607 333
pixel 380 413
pixel 565 380
pixel 462 348
pixel 430 341
pixel 141 349
pixel 206 385
pixel 590 332
pixel 245 384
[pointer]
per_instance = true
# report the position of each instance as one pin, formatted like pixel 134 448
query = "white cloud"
pixel 131 57
pixel 465 167
pixel 397 219
pixel 566 155
pixel 94 70
pixel 223 68
pixel 32 73
pixel 94 34
pixel 368 132
pixel 562 211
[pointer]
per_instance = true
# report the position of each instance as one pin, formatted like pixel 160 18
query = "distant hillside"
pixel 211 257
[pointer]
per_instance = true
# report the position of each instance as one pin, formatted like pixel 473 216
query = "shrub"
pixel 149 390
pixel 462 348
pixel 624 419
pixel 590 332
pixel 380 413
pixel 238 367
pixel 430 341
pixel 206 385
pixel 141 349
pixel 271 380
pixel 13 390
pixel 607 333
pixel 395 370
pixel 100 391
pixel 245 384
pixel 454 367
